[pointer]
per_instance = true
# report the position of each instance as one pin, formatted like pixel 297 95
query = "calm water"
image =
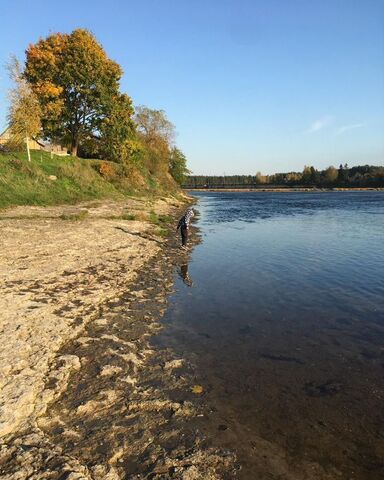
pixel 282 312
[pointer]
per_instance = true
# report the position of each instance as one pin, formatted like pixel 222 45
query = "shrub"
pixel 107 170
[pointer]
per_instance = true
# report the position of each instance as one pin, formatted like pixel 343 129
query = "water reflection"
pixel 184 275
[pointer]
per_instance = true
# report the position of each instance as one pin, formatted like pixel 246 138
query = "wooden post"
pixel 28 152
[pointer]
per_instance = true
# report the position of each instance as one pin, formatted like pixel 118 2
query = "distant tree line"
pixel 361 176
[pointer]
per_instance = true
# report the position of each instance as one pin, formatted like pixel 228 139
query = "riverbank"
pixel 82 393
pixel 55 180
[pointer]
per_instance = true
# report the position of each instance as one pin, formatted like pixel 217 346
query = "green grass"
pixel 160 220
pixel 162 232
pixel 28 183
pixel 164 223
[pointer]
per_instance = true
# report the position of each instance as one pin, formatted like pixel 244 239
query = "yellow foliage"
pixel 107 170
pixel 197 389
pixel 75 82
pixel 48 89
pixel 24 115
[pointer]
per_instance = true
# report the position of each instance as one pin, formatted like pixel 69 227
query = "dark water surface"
pixel 285 324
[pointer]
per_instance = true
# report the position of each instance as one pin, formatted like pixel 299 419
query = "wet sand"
pixel 83 395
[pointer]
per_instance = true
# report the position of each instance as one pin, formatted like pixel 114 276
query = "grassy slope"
pixel 28 183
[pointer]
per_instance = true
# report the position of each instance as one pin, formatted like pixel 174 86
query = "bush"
pixel 107 170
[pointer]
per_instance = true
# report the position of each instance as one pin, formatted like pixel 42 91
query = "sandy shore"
pixel 82 291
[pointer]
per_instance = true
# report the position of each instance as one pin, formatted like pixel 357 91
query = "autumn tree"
pixel 306 175
pixel 157 135
pixel 260 179
pixel 117 131
pixel 154 124
pixel 293 177
pixel 24 116
pixel 178 166
pixel 330 175
pixel 76 84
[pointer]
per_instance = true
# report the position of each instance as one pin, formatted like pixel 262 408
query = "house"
pixel 35 144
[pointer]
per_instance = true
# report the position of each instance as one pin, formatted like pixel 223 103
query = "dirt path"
pixel 82 394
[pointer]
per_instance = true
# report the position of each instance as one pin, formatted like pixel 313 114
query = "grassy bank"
pixel 59 180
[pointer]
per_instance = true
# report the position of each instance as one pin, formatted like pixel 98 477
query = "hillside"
pixel 59 180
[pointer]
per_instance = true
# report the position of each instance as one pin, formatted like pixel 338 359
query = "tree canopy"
pixel 156 134
pixel 71 89
pixel 118 129
pixel 178 166
pixel 24 116
pixel 76 83
pixel 155 125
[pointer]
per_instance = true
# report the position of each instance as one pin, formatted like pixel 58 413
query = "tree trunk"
pixel 74 145
pixel 28 152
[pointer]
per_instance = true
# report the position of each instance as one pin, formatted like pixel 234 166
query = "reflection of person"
pixel 185 275
pixel 184 225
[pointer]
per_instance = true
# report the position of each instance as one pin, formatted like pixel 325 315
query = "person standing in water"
pixel 184 226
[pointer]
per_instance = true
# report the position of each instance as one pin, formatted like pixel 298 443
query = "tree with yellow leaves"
pixel 157 134
pixel 76 84
pixel 24 116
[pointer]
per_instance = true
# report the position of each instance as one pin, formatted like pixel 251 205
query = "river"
pixel 281 311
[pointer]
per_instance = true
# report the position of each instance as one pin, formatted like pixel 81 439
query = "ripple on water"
pixel 285 324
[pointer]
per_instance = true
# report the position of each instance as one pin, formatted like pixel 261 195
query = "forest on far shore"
pixel 355 177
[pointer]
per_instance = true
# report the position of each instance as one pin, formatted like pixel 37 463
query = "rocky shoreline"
pixel 83 394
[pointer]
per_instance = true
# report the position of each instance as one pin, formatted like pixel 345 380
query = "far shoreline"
pixel 287 189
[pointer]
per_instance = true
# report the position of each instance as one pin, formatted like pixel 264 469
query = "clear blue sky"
pixel 265 85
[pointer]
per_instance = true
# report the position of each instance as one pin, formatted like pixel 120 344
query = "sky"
pixel 251 85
